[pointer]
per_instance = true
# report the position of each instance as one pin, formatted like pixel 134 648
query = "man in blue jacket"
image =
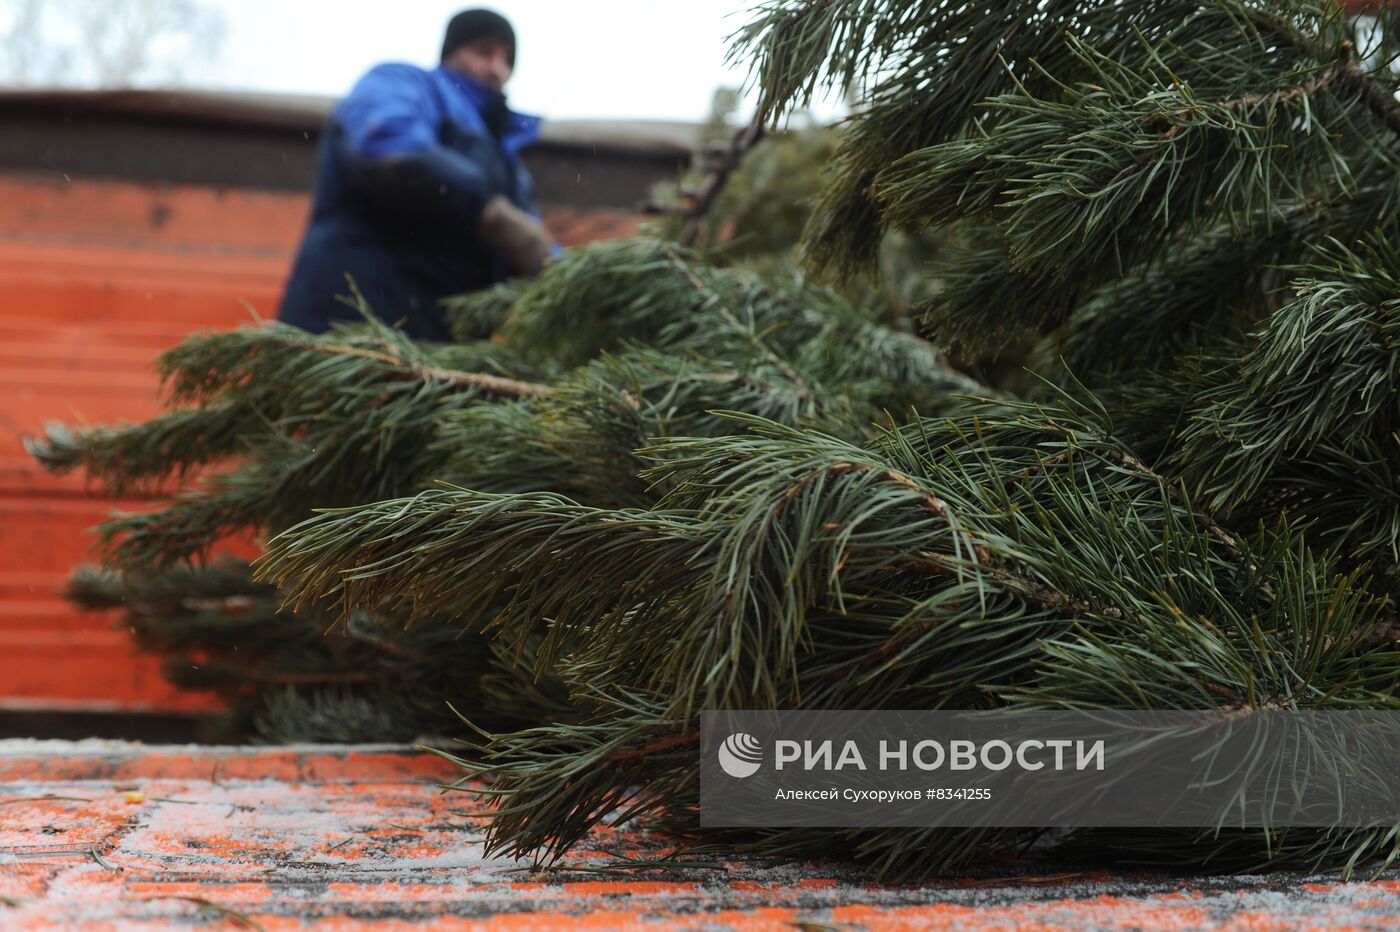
pixel 419 189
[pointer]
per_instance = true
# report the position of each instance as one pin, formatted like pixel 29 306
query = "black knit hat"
pixel 470 25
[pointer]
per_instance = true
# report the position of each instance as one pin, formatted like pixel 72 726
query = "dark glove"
pixel 515 234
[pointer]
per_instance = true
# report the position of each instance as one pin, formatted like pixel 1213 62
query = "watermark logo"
pixel 1031 768
pixel 740 755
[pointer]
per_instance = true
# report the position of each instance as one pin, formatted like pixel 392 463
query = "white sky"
pixel 578 59
pixel 636 59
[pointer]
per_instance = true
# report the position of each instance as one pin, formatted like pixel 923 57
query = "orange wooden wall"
pixel 96 278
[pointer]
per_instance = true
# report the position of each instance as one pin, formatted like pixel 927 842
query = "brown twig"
pixel 1128 461
pixel 1025 589
pixel 1205 522
pixel 699 207
pixel 651 747
pixel 1344 71
pixel 494 384
pixel 718 303
pixel 1376 98
pixel 987 563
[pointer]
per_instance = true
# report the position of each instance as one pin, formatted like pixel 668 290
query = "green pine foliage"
pixel 311 677
pixel 614 347
pixel 659 487
pixel 1190 206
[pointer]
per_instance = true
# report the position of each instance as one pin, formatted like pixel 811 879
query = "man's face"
pixel 486 59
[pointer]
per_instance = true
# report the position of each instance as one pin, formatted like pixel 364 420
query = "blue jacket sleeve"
pixel 388 144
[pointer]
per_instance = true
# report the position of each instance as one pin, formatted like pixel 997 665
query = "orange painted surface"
pixel 96 278
pixel 141 216
pixel 99 835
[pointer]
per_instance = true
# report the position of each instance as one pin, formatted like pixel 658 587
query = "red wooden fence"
pixel 96 278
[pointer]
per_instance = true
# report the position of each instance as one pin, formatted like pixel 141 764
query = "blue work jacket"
pixel 406 163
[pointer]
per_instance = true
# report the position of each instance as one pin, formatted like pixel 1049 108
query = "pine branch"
pixel 1380 101
pixel 1323 368
pixel 713 300
pixel 699 208
pixel 491 384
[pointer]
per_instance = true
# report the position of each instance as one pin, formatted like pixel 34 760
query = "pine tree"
pixel 668 487
pixel 614 346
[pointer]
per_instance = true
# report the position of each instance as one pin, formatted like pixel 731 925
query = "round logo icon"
pixel 740 755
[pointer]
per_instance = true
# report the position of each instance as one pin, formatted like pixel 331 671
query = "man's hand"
pixel 518 236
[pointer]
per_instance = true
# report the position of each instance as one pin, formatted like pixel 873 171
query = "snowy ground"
pixel 112 834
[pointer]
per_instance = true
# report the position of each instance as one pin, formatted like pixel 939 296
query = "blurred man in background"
pixel 419 191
